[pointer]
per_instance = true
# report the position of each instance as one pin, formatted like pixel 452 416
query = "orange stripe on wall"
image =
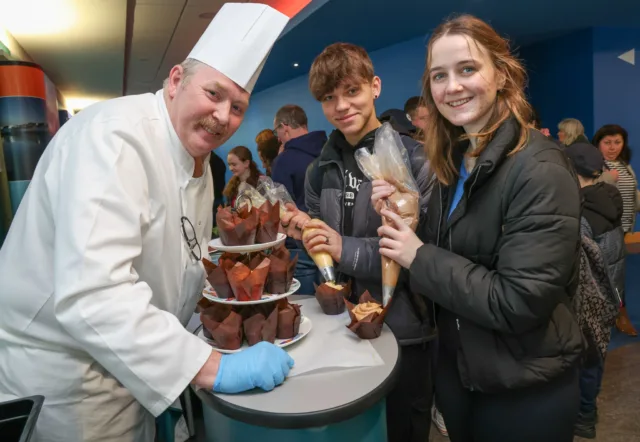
pixel 22 81
pixel 288 7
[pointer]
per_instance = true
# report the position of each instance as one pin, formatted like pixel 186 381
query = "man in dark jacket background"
pixel 338 199
pixel 601 221
pixel 301 147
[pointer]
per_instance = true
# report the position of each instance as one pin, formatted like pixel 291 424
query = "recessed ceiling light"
pixel 207 15
pixel 295 65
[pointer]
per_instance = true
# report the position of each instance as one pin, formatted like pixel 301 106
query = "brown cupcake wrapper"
pixel 268 223
pixel 288 319
pixel 332 301
pixel 225 331
pixel 247 284
pixel 370 327
pixel 237 228
pixel 258 328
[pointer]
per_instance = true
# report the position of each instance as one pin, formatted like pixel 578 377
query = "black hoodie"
pixel 602 207
pixel 601 221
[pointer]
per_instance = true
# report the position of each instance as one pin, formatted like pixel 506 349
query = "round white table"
pixel 332 404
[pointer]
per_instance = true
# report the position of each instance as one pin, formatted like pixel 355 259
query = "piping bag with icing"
pixel 389 161
pixel 275 192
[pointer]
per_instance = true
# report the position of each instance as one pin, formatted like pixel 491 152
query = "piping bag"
pixel 275 192
pixel 389 161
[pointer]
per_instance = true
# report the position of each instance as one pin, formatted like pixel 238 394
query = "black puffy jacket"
pixel 503 267
pixel 410 316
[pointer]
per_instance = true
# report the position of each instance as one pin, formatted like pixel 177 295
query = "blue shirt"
pixel 459 188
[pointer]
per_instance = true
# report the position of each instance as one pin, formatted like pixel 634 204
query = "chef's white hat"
pixel 238 40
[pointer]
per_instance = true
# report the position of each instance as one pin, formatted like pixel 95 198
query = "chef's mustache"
pixel 213 125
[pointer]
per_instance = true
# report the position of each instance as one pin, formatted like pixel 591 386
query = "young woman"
pixel 498 250
pixel 243 168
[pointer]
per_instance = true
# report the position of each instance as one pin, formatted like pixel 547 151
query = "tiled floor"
pixel 619 400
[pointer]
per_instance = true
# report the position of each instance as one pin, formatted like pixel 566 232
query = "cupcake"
pixel 268 223
pixel 224 326
pixel 217 276
pixel 288 319
pixel 281 271
pixel 331 297
pixel 367 317
pixel 247 284
pixel 260 324
pixel 237 227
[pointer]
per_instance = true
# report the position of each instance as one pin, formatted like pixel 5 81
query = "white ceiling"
pixel 164 32
pixel 86 60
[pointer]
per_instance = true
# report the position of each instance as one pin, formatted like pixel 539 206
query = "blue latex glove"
pixel 263 365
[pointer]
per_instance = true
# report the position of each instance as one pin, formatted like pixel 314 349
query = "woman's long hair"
pixel 243 154
pixel 440 135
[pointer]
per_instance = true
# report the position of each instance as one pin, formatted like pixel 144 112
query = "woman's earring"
pixel 375 96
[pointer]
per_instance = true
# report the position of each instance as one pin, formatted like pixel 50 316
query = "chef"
pixel 101 268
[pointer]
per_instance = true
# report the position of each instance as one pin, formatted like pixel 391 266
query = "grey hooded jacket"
pixel 411 317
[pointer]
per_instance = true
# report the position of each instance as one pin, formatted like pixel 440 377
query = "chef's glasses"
pixel 189 234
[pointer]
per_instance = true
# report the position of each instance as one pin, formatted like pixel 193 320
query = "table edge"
pixel 304 420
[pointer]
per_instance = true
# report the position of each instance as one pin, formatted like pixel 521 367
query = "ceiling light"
pixel 37 17
pixel 78 103
pixel 295 65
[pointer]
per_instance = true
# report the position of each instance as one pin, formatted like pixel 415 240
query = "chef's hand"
pixel 398 241
pixel 294 221
pixel 263 365
pixel 322 238
pixel 380 190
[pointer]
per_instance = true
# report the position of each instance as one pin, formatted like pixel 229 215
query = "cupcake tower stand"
pixel 209 293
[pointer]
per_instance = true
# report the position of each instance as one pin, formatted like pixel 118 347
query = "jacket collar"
pixel 332 153
pixel 503 142
pixel 182 160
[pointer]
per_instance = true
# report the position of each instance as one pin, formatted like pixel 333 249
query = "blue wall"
pixel 561 79
pixel 400 67
pixel 617 83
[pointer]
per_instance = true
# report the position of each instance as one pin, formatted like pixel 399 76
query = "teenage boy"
pixel 338 197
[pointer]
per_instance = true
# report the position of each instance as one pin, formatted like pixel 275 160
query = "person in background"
pixel 101 270
pixel 499 248
pixel 612 141
pixel 601 221
pixel 536 122
pixel 243 168
pixel 399 121
pixel 268 149
pixel 571 131
pixel 416 112
pixel 300 148
pixel 218 171
pixel 338 196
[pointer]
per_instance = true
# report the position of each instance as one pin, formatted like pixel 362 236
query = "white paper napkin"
pixel 330 345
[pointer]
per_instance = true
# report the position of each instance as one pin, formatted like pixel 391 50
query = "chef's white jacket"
pixel 96 281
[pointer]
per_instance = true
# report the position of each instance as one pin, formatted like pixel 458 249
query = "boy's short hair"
pixel 338 63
